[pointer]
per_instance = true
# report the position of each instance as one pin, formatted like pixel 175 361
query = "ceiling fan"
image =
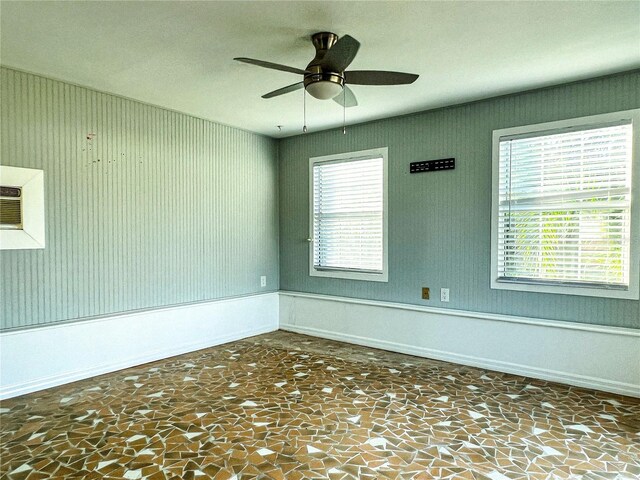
pixel 326 76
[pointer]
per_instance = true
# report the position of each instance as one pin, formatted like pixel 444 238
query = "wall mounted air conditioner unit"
pixel 21 208
pixel 10 207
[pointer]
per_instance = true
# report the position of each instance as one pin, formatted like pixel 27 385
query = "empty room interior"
pixel 320 240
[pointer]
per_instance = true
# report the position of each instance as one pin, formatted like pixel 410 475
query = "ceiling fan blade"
pixel 378 77
pixel 273 66
pixel 338 58
pixel 347 98
pixel 283 90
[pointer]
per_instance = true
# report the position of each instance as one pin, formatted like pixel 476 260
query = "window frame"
pixel 633 289
pixel 348 274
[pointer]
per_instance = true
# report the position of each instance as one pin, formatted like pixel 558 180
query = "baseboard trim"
pixel 69 377
pixel 437 334
pixel 197 326
pixel 505 367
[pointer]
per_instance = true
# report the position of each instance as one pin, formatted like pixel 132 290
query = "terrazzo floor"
pixel 287 406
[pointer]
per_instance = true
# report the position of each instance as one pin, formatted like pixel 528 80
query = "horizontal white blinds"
pixel 564 207
pixel 348 201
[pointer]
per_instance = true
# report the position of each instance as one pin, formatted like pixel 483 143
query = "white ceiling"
pixel 178 55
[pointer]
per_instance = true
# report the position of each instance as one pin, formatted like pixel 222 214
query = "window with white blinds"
pixel 562 209
pixel 348 238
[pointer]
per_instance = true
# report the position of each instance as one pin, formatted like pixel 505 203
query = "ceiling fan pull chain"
pixel 344 111
pixel 304 110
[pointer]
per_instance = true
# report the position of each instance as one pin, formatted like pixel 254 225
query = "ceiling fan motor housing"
pixel 319 83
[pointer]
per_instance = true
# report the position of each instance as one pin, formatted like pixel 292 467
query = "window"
pixel 564 209
pixel 348 221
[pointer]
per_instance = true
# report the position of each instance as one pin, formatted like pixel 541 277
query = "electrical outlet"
pixel 263 281
pixel 425 293
pixel 444 294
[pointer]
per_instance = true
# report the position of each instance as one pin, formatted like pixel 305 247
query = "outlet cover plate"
pixel 444 294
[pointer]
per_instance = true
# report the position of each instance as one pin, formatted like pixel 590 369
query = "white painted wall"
pixel 603 358
pixel 43 357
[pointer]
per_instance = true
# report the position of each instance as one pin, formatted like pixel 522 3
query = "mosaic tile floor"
pixel 286 406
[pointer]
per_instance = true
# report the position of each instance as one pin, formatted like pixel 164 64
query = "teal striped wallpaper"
pixel 439 223
pixel 158 208
pixel 161 208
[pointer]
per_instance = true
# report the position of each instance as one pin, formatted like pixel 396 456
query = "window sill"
pixel 629 294
pixel 365 276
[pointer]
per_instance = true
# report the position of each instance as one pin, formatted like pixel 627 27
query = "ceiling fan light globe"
pixel 324 89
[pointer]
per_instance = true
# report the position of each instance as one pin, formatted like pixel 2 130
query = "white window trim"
pixel 360 155
pixel 32 235
pixel 633 291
